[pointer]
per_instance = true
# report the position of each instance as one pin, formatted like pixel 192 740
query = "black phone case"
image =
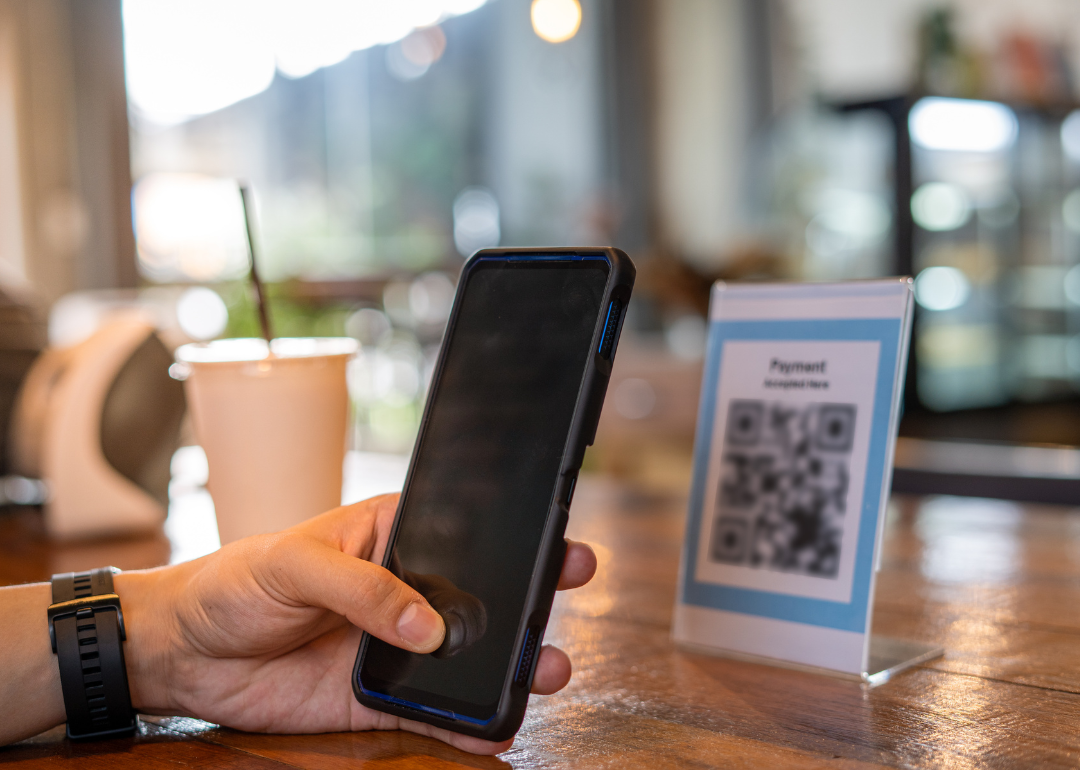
pixel 548 564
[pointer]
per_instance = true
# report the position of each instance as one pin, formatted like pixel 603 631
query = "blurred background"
pixel 807 140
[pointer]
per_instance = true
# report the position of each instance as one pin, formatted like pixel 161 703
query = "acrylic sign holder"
pixel 792 470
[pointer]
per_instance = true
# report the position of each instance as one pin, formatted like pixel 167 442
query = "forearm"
pixel 30 696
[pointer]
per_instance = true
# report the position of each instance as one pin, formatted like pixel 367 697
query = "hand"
pixel 262 634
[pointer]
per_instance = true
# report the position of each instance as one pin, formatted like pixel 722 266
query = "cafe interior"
pixel 733 141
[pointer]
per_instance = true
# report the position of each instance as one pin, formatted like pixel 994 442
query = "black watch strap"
pixel 87 629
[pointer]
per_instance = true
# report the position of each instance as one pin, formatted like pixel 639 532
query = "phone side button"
pixel 570 491
pixel 528 655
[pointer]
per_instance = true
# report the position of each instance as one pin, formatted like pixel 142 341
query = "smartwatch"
pixel 86 626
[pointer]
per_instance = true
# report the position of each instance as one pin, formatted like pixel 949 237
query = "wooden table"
pixel 998 584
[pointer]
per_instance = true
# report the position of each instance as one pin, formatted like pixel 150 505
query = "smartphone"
pixel 515 398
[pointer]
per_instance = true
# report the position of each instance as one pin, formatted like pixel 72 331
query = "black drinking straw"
pixel 260 294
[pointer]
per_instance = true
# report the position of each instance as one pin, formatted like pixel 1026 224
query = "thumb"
pixel 369 596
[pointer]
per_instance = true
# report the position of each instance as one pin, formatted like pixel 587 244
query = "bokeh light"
pixel 686 337
pixel 476 220
pixel 1070 211
pixel 634 398
pixel 941 288
pixel 1072 285
pixel 430 298
pixel 368 325
pixel 413 56
pixel 1070 135
pixel 201 313
pixel 846 219
pixel 962 125
pixel 556 21
pixel 939 206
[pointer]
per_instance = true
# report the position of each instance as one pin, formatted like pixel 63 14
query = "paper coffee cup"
pixel 273 423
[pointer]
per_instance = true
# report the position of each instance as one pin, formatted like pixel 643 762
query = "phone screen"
pixel 486 470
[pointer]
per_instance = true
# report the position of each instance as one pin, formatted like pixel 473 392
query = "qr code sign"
pixel 783 486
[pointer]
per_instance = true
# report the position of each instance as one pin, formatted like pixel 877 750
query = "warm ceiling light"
pixel 556 20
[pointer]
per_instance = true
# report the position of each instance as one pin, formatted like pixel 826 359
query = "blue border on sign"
pixel 850 616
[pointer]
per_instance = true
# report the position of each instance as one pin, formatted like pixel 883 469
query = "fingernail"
pixel 420 626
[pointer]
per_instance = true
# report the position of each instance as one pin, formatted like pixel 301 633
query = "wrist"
pixel 150 648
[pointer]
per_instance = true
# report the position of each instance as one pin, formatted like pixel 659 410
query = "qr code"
pixel 783 486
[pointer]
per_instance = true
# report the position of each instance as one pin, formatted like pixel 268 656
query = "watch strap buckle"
pixel 85 606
